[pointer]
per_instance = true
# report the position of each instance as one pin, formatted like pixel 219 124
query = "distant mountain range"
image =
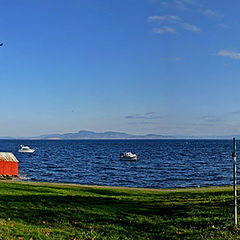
pixel 105 135
pixel 83 134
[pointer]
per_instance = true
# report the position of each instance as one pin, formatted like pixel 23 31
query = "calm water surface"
pixel 161 163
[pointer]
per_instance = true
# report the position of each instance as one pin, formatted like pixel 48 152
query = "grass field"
pixel 55 211
pixel 38 211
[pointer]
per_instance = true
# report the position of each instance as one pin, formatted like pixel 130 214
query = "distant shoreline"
pixel 111 135
pixel 63 139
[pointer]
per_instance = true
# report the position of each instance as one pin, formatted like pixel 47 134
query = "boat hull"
pixel 26 151
pixel 127 158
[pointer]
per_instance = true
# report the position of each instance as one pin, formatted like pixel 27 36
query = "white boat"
pixel 26 149
pixel 128 156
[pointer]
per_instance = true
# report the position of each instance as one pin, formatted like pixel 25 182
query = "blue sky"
pixel 137 66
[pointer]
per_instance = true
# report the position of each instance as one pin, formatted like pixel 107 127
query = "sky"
pixel 169 67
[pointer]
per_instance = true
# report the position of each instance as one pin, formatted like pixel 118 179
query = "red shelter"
pixel 8 164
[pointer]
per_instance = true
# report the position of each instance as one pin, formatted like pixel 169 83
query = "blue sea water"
pixel 161 163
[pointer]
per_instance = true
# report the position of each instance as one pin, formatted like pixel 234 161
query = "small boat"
pixel 128 156
pixel 26 149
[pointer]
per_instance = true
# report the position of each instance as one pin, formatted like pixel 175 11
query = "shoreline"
pixel 210 188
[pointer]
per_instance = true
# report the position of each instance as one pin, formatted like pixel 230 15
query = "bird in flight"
pixel 1 44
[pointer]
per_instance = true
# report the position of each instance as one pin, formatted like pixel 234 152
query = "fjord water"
pixel 161 163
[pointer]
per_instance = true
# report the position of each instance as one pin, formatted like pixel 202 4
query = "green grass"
pixel 38 211
pixel 48 211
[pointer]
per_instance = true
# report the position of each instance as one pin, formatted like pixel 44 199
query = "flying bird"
pixel 1 44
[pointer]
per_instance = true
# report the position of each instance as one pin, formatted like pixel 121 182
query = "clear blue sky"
pixel 137 66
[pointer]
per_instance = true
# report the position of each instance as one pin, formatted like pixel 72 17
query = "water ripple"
pixel 161 163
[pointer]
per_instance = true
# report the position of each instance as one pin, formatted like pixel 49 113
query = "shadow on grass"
pixel 140 212
pixel 80 212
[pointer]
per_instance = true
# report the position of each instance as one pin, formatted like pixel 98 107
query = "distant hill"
pixel 83 134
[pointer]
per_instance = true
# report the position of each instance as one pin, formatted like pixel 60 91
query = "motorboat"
pixel 128 156
pixel 26 149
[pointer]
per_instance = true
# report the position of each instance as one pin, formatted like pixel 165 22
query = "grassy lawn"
pixel 37 211
pixel 49 211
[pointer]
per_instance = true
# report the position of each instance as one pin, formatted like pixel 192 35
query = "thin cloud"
pixel 170 29
pixel 211 13
pixel 190 27
pixel 180 4
pixel 158 31
pixel 211 118
pixel 142 123
pixel 157 18
pixel 189 1
pixel 171 20
pixel 160 19
pixel 230 54
pixel 146 116
pixel 236 112
pixel 174 18
pixel 225 26
pixel 163 30
pixel 165 4
pixel 172 59
pixel 183 4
